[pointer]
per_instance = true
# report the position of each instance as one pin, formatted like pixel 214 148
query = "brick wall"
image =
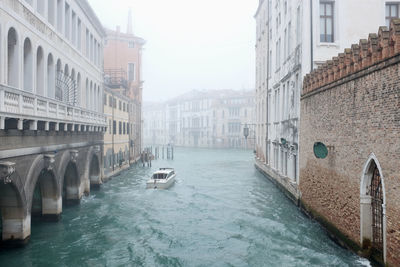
pixel 351 104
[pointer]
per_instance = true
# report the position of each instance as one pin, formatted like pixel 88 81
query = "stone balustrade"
pixel 23 105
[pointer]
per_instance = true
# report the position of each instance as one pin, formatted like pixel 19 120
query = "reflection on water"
pixel 220 212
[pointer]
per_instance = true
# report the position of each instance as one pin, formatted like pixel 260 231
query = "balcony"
pixel 115 78
pixel 22 105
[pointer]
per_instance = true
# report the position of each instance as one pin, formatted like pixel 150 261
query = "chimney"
pixel 129 29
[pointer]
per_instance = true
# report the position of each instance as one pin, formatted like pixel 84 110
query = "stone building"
pixel 209 118
pixel 116 138
pixel 154 124
pixel 294 37
pixel 51 113
pixel 349 154
pixel 123 71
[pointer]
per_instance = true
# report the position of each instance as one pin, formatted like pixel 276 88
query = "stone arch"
pixel 71 183
pixel 51 76
pixel 14 215
pixel 28 65
pixel 12 58
pixel 93 167
pixel 40 84
pixel 70 180
pixel 94 170
pixel 370 169
pixel 42 180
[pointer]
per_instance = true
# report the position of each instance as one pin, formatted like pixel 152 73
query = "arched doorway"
pixel 376 194
pixel 372 208
pixel 44 197
pixel 70 192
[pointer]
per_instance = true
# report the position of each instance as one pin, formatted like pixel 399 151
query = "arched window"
pixel 28 65
pixel 58 94
pixel 51 77
pixel 94 107
pixel 78 90
pixel 99 106
pixel 12 58
pixel 73 94
pixel 91 96
pixel 87 94
pixel 40 72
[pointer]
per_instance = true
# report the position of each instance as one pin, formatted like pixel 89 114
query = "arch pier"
pixel 36 183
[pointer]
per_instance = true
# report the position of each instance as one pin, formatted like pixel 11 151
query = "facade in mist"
pixel 155 131
pixel 123 73
pixel 292 38
pixel 116 138
pixel 213 119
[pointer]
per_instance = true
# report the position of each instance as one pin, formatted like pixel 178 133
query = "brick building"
pixel 349 149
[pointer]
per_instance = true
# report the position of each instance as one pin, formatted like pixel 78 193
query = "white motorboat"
pixel 161 179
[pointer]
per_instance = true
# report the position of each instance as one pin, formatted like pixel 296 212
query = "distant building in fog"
pixel 154 124
pixel 213 118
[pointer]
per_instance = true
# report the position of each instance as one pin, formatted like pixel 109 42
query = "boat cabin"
pixel 163 173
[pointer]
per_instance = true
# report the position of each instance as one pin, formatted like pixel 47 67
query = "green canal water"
pixel 220 212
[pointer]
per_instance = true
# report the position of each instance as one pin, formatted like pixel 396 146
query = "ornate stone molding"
pixel 7 168
pixel 49 160
pixel 74 155
pixel 96 149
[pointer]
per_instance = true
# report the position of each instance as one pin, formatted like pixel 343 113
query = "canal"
pixel 220 212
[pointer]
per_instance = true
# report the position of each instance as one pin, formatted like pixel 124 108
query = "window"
pixel 105 100
pixel 131 44
pixel 119 105
pixel 120 128
pixel 326 22
pixel 79 33
pixel 110 101
pixel 392 12
pixel 131 72
pixel 285 46
pixel 114 127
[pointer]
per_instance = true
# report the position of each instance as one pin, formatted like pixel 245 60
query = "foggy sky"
pixel 190 44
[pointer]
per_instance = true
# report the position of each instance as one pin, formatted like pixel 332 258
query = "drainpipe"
pixel 312 37
pixel 268 71
pixel 112 142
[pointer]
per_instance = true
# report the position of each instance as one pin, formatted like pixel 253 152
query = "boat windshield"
pixel 159 176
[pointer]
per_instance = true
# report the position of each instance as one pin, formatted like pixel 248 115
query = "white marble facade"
pixel 51 65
